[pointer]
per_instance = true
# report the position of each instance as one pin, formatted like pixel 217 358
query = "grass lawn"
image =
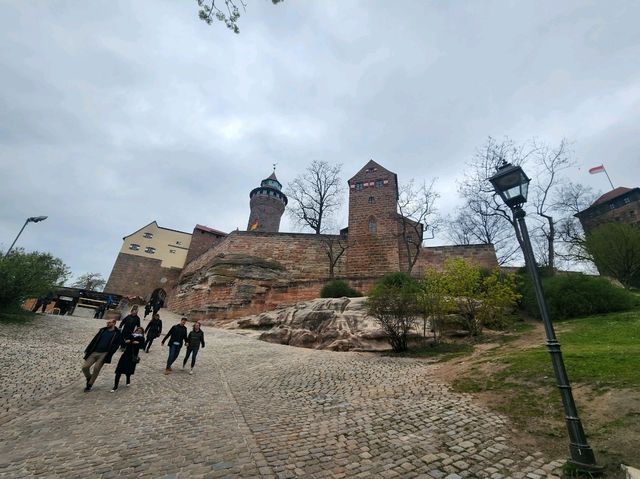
pixel 602 358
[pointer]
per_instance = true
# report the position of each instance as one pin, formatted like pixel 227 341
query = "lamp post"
pixel 512 184
pixel 33 219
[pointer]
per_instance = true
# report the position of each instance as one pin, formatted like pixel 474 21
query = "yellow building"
pixel 151 257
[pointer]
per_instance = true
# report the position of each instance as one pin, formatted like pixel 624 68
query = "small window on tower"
pixel 372 199
pixel 148 235
pixel 627 200
pixel 178 242
pixel 379 183
pixel 150 250
pixel 134 246
pixel 372 226
pixel 359 185
pixel 172 251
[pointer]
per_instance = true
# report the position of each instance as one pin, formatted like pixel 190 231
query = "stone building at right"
pixel 620 205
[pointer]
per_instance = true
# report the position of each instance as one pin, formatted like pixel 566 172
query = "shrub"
pixel 338 288
pixel 480 299
pixel 575 295
pixel 393 301
pixel 24 275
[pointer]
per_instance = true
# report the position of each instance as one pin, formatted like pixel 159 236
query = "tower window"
pixel 372 226
pixel 359 185
pixel 148 235
pixel 372 199
pixel 627 200
pixel 150 250
pixel 379 183
pixel 172 251
pixel 134 246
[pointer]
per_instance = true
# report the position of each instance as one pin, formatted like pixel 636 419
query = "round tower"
pixel 267 203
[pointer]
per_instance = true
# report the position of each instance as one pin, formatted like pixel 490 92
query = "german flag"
pixel 254 226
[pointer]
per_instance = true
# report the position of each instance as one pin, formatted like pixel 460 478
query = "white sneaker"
pixel 191 372
pixel 113 390
pixel 128 384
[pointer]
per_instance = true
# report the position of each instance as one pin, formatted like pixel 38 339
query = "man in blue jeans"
pixel 176 336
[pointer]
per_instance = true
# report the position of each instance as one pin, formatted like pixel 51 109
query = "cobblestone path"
pixel 251 409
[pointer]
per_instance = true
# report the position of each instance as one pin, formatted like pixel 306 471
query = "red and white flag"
pixel 597 169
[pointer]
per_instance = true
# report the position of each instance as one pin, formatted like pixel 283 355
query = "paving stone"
pixel 252 409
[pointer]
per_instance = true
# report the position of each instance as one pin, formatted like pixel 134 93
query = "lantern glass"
pixel 512 184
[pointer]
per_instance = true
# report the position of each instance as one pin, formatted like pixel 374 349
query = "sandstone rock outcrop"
pixel 338 324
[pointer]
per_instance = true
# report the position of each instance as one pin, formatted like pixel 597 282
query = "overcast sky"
pixel 114 114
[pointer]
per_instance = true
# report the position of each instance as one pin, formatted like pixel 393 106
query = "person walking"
pixel 194 341
pixel 129 324
pixel 153 330
pixel 100 351
pixel 129 358
pixel 176 336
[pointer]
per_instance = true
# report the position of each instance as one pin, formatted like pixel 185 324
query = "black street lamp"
pixel 33 219
pixel 512 184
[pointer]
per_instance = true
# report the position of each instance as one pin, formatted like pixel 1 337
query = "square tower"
pixel 373 222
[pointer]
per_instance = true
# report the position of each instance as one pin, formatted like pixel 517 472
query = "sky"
pixel 117 113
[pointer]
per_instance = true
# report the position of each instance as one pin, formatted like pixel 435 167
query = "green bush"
pixel 576 295
pixel 338 288
pixel 27 275
pixel 393 302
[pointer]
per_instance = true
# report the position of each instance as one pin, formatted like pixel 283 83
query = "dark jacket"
pixel 128 324
pixel 177 334
pixel 113 345
pixel 154 328
pixel 195 339
pixel 127 362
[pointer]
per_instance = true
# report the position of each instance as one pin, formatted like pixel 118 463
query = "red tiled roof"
pixel 620 190
pixel 209 230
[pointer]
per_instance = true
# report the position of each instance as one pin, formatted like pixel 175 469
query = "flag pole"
pixel 605 172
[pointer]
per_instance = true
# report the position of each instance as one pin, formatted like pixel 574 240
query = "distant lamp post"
pixel 33 219
pixel 512 184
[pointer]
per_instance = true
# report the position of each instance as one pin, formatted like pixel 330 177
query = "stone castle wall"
pixel 201 241
pixel 250 273
pixel 138 276
pixel 483 255
pixel 302 255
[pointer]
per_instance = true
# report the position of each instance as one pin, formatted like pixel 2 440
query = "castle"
pixel 225 276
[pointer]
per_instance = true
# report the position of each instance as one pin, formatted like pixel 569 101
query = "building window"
pixel 612 205
pixel 150 250
pixel 379 183
pixel 178 242
pixel 359 185
pixel 148 235
pixel 627 200
pixel 372 226
pixel 372 200
pixel 172 251
pixel 134 246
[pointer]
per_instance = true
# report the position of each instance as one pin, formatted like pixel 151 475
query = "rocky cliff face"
pixel 338 324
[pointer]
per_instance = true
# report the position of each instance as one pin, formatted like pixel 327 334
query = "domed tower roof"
pixel 272 181
pixel 267 203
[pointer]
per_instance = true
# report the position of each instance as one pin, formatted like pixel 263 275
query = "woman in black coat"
pixel 129 359
pixel 129 324
pixel 153 330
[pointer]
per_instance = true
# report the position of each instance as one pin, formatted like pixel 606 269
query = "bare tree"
pixel 90 281
pixel 572 198
pixel 226 11
pixel 549 163
pixel 315 195
pixel 417 217
pixel 335 247
pixel 480 198
pixel 474 225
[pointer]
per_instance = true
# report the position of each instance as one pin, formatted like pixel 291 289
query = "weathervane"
pixel 274 167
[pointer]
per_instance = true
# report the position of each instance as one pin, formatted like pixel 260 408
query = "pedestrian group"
pixel 130 339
